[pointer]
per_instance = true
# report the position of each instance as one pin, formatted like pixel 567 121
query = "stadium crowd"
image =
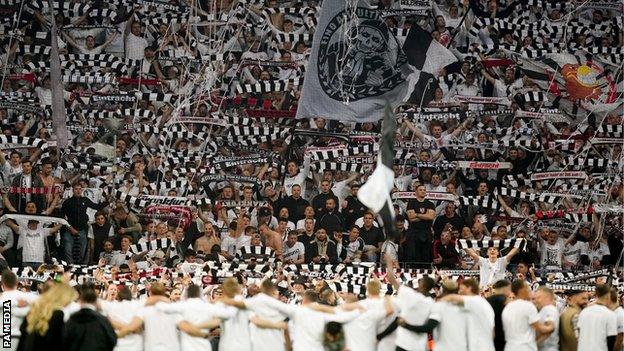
pixel 190 204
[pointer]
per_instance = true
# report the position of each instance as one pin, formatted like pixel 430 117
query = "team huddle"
pixel 430 315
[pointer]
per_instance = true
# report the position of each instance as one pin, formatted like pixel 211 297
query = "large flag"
pixel 357 65
pixel 426 58
pixel 375 193
pixel 581 84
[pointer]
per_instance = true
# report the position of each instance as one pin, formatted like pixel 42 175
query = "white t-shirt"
pixel 619 312
pixel 194 311
pixel 309 325
pixel 33 242
pixel 414 309
pixel 599 252
pixel 235 329
pixel 451 333
pixel 480 323
pixel 135 47
pixel 293 253
pixel 551 255
pixel 265 339
pixel 361 333
pixel 550 313
pixel 490 273
pixel 596 323
pixel 301 223
pixel 388 343
pixel 160 329
pixel 518 316
pixel 572 253
pixel 124 312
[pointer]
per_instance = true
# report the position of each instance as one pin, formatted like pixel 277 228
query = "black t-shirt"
pixel 373 236
pixel 421 208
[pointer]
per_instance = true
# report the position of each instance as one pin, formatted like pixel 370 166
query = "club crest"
pixel 370 66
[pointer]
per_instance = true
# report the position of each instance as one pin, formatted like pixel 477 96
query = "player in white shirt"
pixel 264 306
pixel 597 323
pixel 414 308
pixel 160 329
pixel 447 321
pixel 480 319
pixel 544 298
pixel 19 301
pixel 492 268
pixel 521 320
pixel 374 300
pixel 121 313
pixel 198 317
pixel 234 330
pixel 308 320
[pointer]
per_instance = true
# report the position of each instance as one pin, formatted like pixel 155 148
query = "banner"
pixel 356 66
pixel 483 165
pixel 558 175
pixel 431 195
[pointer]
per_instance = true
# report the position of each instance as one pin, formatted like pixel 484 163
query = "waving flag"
pixel 357 65
pixel 579 80
pixel 375 193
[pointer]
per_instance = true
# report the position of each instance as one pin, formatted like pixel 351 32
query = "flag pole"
pixel 59 122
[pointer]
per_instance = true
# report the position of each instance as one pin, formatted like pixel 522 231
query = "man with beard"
pixel 568 321
pixel 16 201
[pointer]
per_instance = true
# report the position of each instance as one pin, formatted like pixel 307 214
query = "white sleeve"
pixel 341 317
pixel 170 307
pixel 90 233
pixel 532 314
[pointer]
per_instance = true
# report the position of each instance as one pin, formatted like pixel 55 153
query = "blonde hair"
pixel 57 297
pixel 230 287
pixel 373 287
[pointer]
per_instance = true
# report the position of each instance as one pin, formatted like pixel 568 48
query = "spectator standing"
pixel 33 238
pixel 74 210
pixel 492 268
pixel 294 251
pixel 352 208
pixel 319 201
pixel 420 214
pixel 25 182
pixel 449 216
pixel 295 204
pixel 331 220
pixel 99 231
